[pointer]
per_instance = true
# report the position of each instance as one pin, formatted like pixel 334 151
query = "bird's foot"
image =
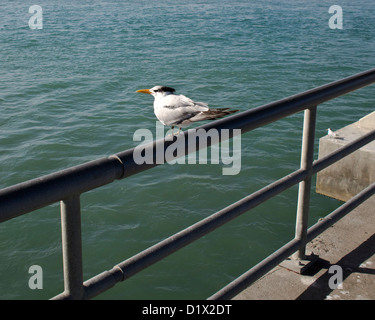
pixel 172 134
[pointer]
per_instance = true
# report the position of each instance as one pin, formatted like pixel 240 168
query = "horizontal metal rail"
pixel 67 186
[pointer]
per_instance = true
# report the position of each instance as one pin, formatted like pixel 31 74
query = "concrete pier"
pixel 348 244
pixel 349 176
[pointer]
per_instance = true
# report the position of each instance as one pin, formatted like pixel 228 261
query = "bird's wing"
pixel 187 105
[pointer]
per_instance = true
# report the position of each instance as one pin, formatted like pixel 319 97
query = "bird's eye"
pixel 156 90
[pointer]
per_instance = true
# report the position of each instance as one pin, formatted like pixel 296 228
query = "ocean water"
pixel 67 96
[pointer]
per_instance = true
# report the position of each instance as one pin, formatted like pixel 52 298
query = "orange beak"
pixel 144 91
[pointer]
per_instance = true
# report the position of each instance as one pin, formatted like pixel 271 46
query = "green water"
pixel 67 96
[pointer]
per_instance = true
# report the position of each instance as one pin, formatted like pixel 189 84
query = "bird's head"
pixel 158 91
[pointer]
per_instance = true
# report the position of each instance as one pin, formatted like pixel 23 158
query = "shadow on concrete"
pixel 350 263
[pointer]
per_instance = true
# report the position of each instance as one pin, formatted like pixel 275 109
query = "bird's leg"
pixel 172 131
pixel 179 129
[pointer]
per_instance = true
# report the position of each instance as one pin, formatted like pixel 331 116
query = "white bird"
pixel 180 111
pixel 332 134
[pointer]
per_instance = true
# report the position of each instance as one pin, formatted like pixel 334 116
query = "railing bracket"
pixel 300 266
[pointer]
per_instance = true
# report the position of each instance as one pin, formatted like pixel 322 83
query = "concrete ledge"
pixel 349 176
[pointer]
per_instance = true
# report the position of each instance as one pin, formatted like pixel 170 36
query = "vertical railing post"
pixel 72 246
pixel 307 157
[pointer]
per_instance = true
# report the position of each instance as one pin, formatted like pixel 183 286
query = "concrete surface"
pixel 349 176
pixel 349 244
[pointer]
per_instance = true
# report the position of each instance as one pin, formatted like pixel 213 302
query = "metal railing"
pixel 67 185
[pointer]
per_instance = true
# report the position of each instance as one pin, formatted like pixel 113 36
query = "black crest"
pixel 167 89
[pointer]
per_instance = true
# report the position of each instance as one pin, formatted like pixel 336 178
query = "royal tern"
pixel 332 134
pixel 180 111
